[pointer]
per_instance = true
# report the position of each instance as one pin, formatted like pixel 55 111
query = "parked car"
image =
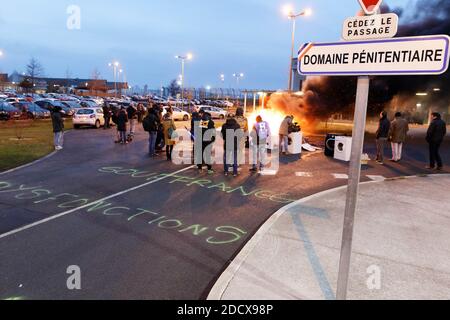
pixel 51 104
pixel 216 113
pixel 89 104
pixel 31 110
pixel 178 114
pixel 14 99
pixel 92 117
pixel 72 104
pixel 8 112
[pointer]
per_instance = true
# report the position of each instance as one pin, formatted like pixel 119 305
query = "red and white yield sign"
pixel 370 6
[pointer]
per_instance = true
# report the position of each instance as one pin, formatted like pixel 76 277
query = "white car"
pixel 92 117
pixel 178 114
pixel 216 113
pixel 228 104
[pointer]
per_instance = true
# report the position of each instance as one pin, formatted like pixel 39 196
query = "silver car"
pixel 215 112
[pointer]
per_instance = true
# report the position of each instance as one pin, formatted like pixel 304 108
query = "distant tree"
pixel 174 88
pixel 34 70
pixel 26 84
pixel 96 75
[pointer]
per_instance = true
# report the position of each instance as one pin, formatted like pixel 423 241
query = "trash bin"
pixel 330 140
pixel 296 143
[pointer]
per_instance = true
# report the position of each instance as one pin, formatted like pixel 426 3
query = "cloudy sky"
pixel 225 36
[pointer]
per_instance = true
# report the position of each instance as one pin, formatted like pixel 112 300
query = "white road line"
pixel 340 176
pixel 304 174
pixel 268 172
pixel 376 178
pixel 90 204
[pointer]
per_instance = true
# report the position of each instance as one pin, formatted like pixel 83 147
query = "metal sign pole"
pixel 359 128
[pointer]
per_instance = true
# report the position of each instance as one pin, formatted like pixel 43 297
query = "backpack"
pixel 149 124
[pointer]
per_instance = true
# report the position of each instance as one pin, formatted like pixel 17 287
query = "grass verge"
pixel 25 141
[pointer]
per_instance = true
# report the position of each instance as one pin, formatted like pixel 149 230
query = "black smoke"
pixel 430 17
pixel 326 96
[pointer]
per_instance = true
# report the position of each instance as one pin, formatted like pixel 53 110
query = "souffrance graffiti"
pixel 260 194
pixel 37 195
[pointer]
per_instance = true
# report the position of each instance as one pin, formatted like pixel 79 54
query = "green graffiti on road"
pixel 213 235
pixel 243 191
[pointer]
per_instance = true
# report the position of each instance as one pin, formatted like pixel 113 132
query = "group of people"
pixel 235 133
pixel 161 130
pixel 124 118
pixel 396 132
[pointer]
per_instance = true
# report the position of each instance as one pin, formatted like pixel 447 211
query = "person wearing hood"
pixel 382 136
pixel 232 135
pixel 58 128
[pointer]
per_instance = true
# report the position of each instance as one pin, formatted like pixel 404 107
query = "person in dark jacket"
pixel 382 136
pixel 204 137
pixel 58 128
pixel 122 120
pixel 160 143
pixel 132 114
pixel 232 135
pixel 435 136
pixel 151 124
pixel 195 120
pixel 397 135
pixel 107 115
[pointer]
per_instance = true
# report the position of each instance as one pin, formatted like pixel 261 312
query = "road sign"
pixel 399 56
pixel 370 6
pixel 380 26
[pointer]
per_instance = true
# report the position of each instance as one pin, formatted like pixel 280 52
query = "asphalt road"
pixel 161 231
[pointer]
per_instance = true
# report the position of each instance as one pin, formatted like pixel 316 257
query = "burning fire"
pixel 273 117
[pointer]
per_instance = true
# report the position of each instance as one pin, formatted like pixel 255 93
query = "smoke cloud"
pixel 325 96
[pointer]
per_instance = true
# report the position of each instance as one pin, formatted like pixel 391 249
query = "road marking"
pixel 304 174
pixel 340 176
pixel 268 172
pixel 376 178
pixel 34 224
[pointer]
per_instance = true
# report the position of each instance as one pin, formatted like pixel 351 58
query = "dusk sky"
pixel 249 36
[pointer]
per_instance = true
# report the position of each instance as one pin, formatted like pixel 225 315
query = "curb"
pixel 29 164
pixel 227 276
pixel 34 162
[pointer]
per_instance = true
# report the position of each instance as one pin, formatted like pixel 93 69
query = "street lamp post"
pixel 124 80
pixel 238 77
pixel 289 11
pixel 183 59
pixel 222 79
pixel 115 65
pixel 1 53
